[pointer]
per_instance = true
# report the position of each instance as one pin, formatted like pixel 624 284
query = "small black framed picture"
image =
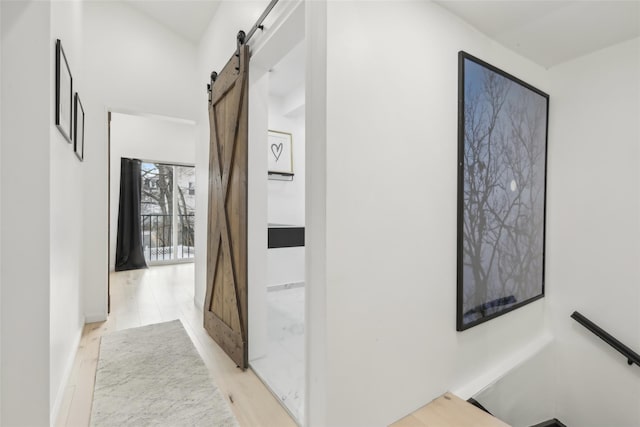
pixel 64 93
pixel 78 130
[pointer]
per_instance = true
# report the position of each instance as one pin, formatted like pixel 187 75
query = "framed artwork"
pixel 64 93
pixel 279 152
pixel 502 150
pixel 78 130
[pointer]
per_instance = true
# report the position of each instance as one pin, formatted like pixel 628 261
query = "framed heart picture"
pixel 279 153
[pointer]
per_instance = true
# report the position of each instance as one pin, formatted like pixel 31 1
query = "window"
pixel 167 208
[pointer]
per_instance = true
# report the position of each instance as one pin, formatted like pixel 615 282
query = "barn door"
pixel 225 307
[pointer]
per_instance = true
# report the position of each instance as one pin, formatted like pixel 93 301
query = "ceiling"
pixel 188 18
pixel 551 32
pixel 548 32
pixel 288 74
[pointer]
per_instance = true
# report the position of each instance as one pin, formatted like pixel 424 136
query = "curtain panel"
pixel 129 251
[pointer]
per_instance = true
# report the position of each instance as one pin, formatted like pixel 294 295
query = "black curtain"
pixel 129 252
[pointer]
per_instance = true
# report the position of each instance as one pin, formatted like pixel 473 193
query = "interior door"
pixel 225 307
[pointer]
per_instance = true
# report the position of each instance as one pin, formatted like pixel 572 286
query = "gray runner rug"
pixel 153 376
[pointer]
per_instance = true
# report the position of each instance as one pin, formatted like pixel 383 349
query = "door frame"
pixel 109 110
pixel 285 31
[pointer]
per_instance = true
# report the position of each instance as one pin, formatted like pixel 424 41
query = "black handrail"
pixel 632 356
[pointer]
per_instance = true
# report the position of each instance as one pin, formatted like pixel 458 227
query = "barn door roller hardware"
pixel 258 25
pixel 242 39
pixel 214 76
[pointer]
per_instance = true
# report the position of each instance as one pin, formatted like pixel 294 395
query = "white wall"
pixel 527 395
pixel 41 213
pixel 593 228
pixel 286 199
pixel 145 138
pixel 285 266
pixel 131 64
pixel 66 205
pixel 25 227
pixel 391 197
pixel 0 209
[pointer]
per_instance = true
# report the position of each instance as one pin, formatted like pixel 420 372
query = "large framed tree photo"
pixel 502 150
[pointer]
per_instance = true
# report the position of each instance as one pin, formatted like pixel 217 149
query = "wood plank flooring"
pixel 160 294
pixel 449 410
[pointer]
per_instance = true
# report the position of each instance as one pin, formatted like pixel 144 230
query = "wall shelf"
pixel 280 176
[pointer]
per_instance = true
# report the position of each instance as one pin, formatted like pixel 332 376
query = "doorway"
pixel 276 226
pixel 165 149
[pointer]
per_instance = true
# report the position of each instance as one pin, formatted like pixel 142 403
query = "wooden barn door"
pixel 225 307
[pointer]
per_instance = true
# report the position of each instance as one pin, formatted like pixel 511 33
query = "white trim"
pixel 284 29
pixel 131 112
pixel 58 398
pixel 162 262
pixel 283 286
pixel 174 213
pixel 503 367
pixel 278 18
pixel 93 317
pixel 273 392
pixel 315 412
pixel 172 163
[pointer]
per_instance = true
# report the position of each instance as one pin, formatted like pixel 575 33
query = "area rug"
pixel 153 376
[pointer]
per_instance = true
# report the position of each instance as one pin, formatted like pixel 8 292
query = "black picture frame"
pixel 78 129
pixel 502 180
pixel 280 155
pixel 64 93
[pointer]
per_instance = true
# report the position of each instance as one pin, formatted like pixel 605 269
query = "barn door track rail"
pixel 243 38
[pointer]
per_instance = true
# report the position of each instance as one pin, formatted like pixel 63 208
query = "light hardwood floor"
pixel 160 294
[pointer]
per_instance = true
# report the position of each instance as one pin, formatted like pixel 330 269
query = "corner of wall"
pixel 1 34
pixel 95 317
pixel 316 214
pixel 66 178
pixel 68 367
pixel 25 77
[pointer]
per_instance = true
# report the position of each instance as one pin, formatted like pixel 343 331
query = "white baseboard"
pixel 93 317
pixel 282 286
pixel 57 402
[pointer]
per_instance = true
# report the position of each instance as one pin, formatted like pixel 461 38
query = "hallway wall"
pixel 26 140
pixel 131 64
pixel 66 180
pixel 41 213
pixel 593 232
pixel 391 200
